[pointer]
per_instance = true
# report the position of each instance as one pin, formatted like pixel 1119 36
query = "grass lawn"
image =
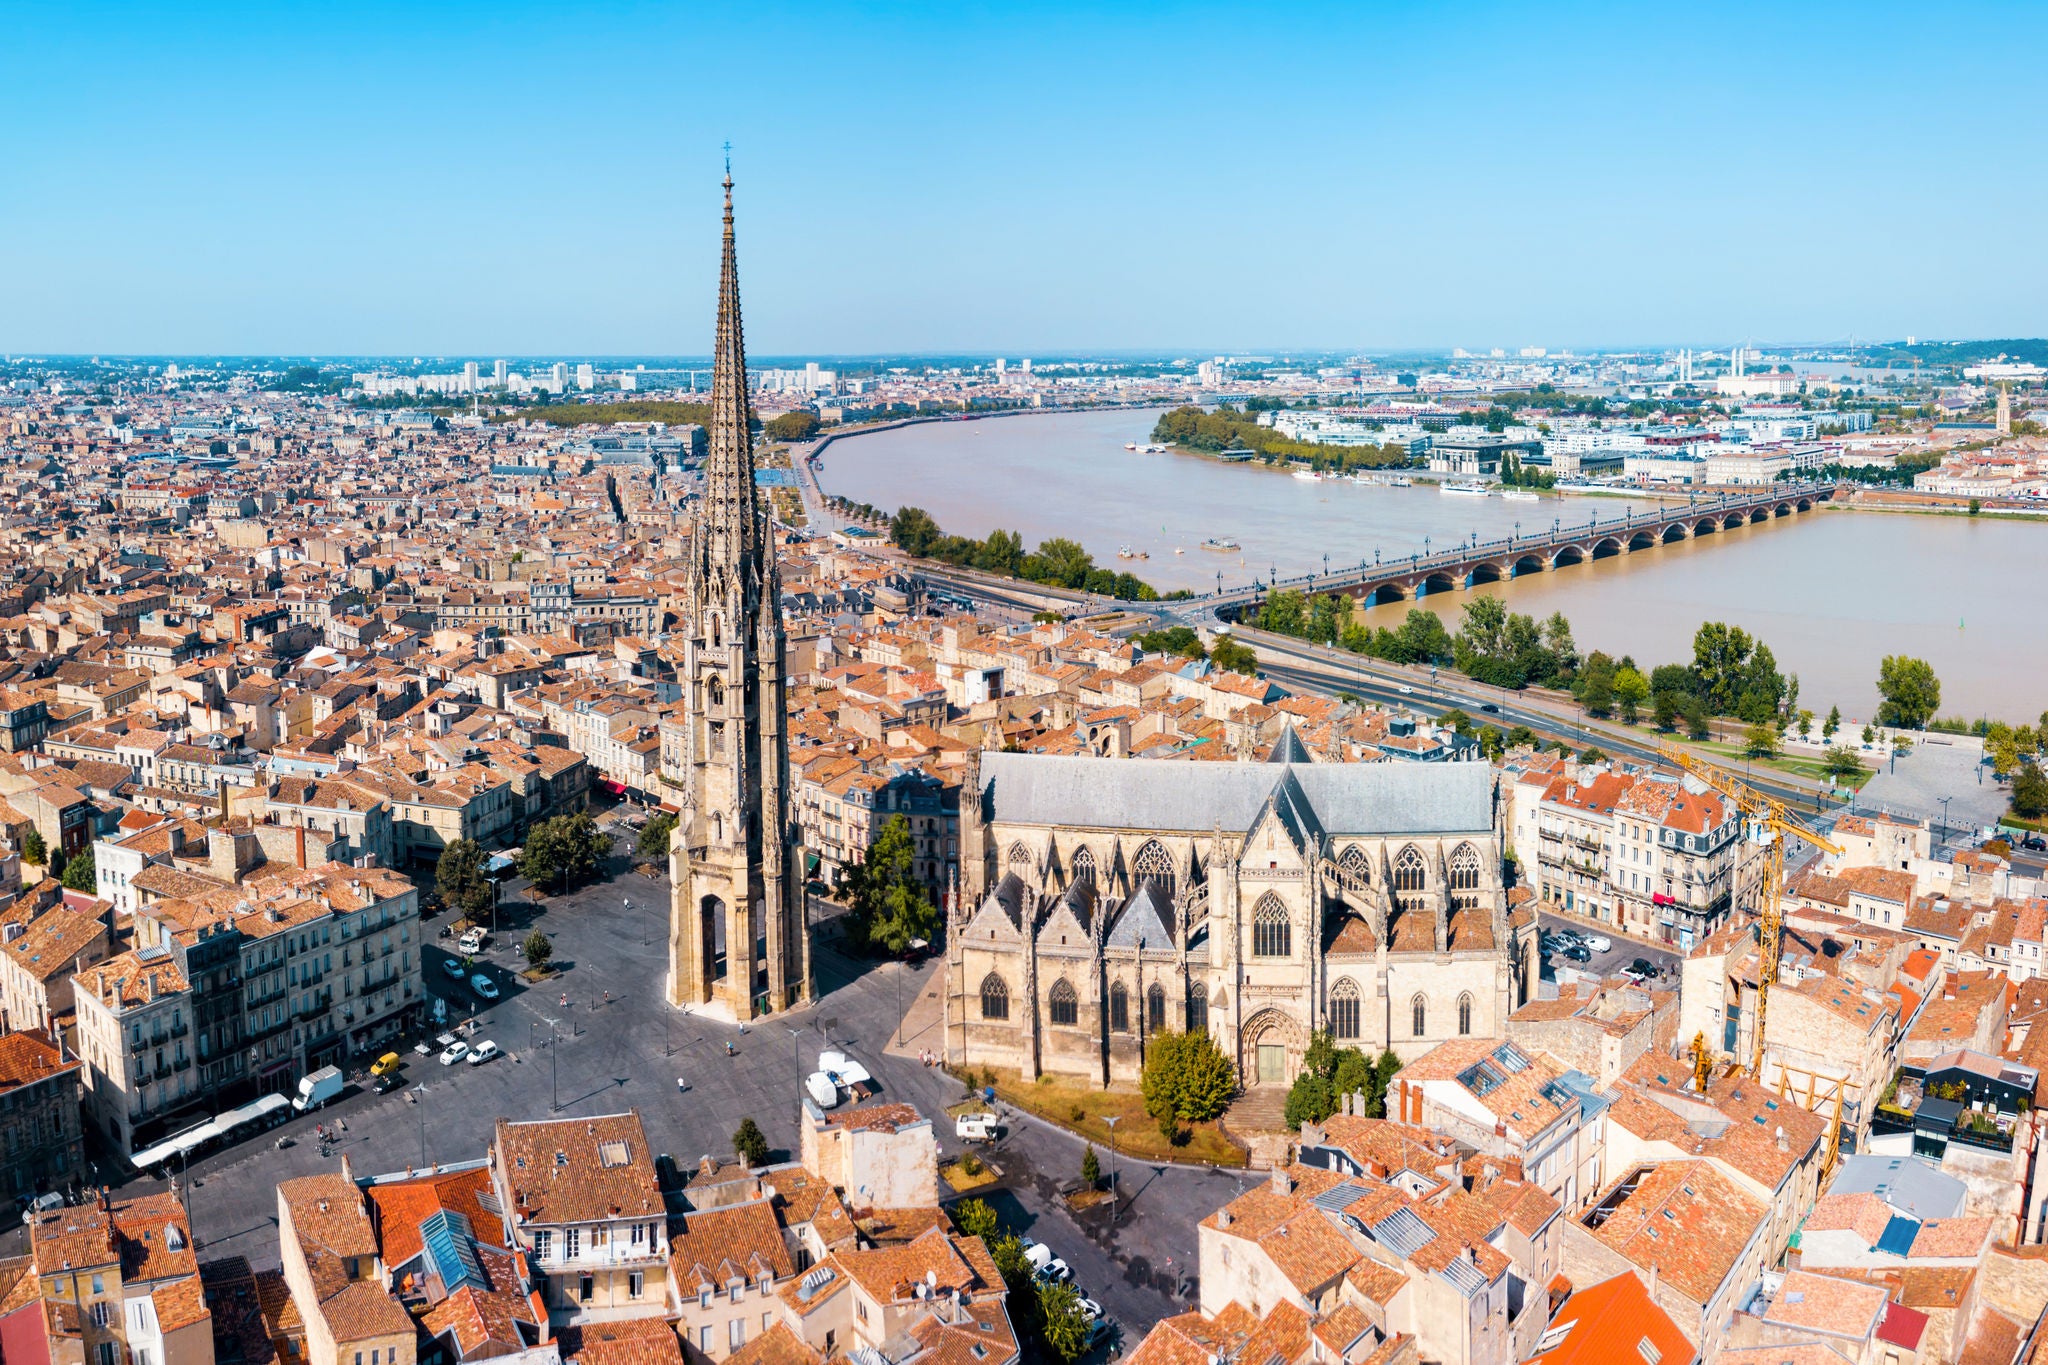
pixel 1058 1097
pixel 955 1174
pixel 1811 768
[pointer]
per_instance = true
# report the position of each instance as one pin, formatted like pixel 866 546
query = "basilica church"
pixel 1106 900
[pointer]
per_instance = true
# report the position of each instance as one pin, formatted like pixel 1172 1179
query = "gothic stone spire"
pixel 733 532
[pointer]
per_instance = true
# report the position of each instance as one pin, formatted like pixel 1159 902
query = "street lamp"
pixel 554 1067
pixel 421 1089
pixel 1111 1119
pixel 1944 817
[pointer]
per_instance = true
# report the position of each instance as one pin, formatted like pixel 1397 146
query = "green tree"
pixel 1387 1066
pixel 33 849
pixel 460 880
pixel 1631 690
pixel 1180 641
pixel 1309 1100
pixel 1805 724
pixel 975 1218
pixel 539 949
pixel 798 425
pixel 889 905
pixel 2030 791
pixel 1233 656
pixel 654 837
pixel 1063 1324
pixel 750 1144
pixel 914 531
pixel 1761 742
pixel 1186 1077
pixel 1869 735
pixel 1007 1252
pixel 566 849
pixel 1910 690
pixel 58 859
pixel 81 873
pixel 1664 710
pixel 1596 685
pixel 1695 712
pixel 1091 1168
pixel 1832 723
pixel 1060 561
pixel 1842 763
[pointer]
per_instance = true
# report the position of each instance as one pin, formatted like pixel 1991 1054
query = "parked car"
pixel 1645 967
pixel 454 1052
pixel 41 1204
pixel 1599 943
pixel 473 942
pixel 1045 1265
pixel 1489 708
pixel 453 966
pixel 387 1065
pixel 484 986
pixel 482 1052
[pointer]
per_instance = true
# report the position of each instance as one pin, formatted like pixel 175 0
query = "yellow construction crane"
pixel 1770 824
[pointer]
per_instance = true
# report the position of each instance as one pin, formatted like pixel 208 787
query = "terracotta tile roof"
pixel 1821 1303
pixel 1606 1322
pixel 576 1170
pixel 640 1341
pixel 1689 1221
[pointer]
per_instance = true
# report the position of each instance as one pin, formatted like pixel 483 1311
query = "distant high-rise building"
pixel 498 373
pixel 586 377
pixel 558 378
pixel 1025 366
pixel 469 377
pixel 1000 365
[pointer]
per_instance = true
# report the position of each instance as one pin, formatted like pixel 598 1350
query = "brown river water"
pixel 1831 591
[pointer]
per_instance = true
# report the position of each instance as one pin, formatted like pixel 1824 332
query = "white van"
pixel 821 1088
pixel 977 1128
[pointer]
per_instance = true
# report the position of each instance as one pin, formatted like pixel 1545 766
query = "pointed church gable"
pixel 1144 918
pixel 999 917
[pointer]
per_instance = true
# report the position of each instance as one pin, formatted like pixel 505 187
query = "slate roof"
pixel 1144 794
pixel 1143 917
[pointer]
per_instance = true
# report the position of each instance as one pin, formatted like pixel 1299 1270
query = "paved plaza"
pixel 629 1051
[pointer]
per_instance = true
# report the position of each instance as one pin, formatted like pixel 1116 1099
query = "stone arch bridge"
pixel 1470 563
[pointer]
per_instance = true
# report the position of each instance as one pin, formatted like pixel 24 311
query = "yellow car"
pixel 387 1065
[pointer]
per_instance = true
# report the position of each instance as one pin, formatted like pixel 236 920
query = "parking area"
pixel 1567 943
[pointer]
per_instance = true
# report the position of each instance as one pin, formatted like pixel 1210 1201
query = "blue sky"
pixel 542 179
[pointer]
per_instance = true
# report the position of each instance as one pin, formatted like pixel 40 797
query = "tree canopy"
pixel 1058 561
pixel 460 880
pixel 1910 690
pixel 563 850
pixel 1187 1077
pixel 888 904
pixel 799 425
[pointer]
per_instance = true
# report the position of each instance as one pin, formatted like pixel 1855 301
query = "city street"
pixel 629 1051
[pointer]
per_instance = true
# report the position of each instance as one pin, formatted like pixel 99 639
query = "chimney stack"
pixel 1281 1184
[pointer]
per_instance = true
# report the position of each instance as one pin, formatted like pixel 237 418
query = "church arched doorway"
pixel 1270 1049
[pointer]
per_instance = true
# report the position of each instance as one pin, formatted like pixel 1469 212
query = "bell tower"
pixel 738 936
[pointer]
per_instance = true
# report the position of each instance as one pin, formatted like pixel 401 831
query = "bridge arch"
pixel 1530 564
pixel 1607 547
pixel 1804 504
pixel 1490 571
pixel 1385 593
pixel 1569 554
pixel 1732 520
pixel 1676 531
pixel 1440 581
pixel 1706 526
pixel 1642 540
pixel 1757 514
